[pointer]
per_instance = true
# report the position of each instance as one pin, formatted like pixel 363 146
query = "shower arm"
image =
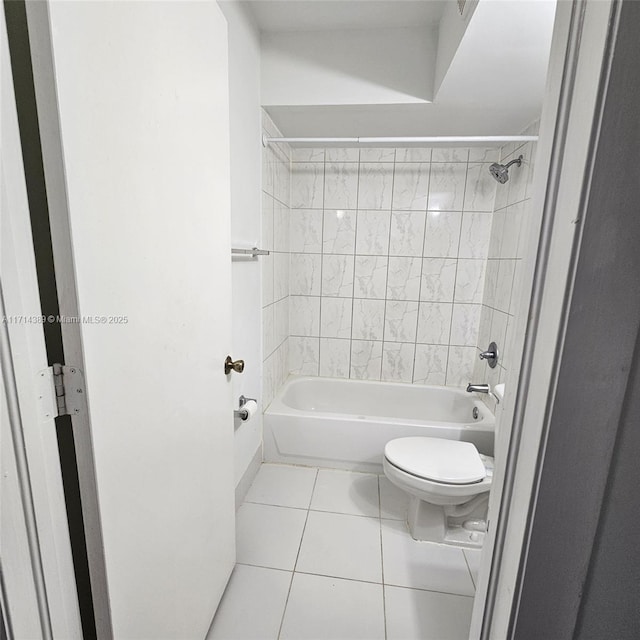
pixel 517 161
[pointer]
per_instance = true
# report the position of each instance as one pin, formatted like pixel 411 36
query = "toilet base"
pixel 456 525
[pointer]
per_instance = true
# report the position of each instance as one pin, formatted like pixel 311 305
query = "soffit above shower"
pixel 379 68
pixel 327 15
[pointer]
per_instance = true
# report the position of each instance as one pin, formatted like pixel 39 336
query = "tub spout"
pixel 478 388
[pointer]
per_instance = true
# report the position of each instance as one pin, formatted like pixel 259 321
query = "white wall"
pixel 373 66
pixel 246 149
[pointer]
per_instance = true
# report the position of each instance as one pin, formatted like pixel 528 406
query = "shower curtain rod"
pixel 266 139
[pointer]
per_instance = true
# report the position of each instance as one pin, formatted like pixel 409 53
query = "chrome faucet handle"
pixel 491 355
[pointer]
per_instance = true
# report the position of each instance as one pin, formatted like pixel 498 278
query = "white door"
pixel 142 92
pixel 35 553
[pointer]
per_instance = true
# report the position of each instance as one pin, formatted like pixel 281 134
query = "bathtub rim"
pixel 278 407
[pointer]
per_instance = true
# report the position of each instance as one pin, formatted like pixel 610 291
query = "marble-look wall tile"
pixel 480 191
pixel 305 274
pixel 510 239
pixel 438 279
pixel 267 222
pixel 504 284
pixel 282 181
pixel 519 175
pixel 267 280
pixel 335 317
pixel 511 232
pixel 372 235
pixel 337 276
pixel 375 186
pixel 306 231
pixel 368 319
pixel 497 233
pixel 370 277
pixel 268 330
pixel 413 154
pixel 499 321
pixel 407 233
pixel 460 365
pixel 366 359
pixel 434 322
pixel 335 356
pixel 446 190
pixel 383 258
pixel 307 186
pixel 469 281
pixel 341 185
pixel 475 235
pixel 410 186
pixel 490 283
pixel 274 268
pixel 484 328
pixel 304 356
pixel 516 289
pixel 281 314
pixel 377 154
pixel 528 232
pixel 451 154
pixel 477 154
pixel 268 387
pixel 431 364
pixel 403 280
pixel 397 361
pixel 339 231
pixel 304 315
pixel 400 321
pixel 465 322
pixel 339 154
pixel 268 161
pixel 442 234
pixel 281 223
pixel 307 155
pixel 280 275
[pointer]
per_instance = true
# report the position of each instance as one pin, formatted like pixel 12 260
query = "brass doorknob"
pixel 231 365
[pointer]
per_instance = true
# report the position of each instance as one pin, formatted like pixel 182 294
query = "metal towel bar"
pixel 250 252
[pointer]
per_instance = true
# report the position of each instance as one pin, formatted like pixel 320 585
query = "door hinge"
pixel 60 391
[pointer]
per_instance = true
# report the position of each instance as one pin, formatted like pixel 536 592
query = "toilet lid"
pixel 449 461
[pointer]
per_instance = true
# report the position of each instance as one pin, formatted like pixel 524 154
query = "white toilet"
pixel 449 483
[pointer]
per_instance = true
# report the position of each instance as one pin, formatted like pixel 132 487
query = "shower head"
pixel 501 171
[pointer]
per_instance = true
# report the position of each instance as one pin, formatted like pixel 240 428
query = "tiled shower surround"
pixel 509 241
pixel 388 255
pixel 276 192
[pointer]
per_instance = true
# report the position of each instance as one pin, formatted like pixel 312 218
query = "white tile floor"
pixel 325 554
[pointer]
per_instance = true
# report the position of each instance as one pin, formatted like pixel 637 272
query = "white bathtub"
pixel 345 424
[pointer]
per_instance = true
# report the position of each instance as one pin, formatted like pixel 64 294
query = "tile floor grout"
pixel 383 584
pixel 295 564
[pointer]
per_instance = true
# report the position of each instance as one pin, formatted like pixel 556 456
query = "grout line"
pixel 353 279
pixel 469 569
pixel 455 280
pixel 384 598
pixel 424 242
pixel 324 172
pixel 386 282
pixel 293 573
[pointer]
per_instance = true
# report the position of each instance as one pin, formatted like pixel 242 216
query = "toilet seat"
pixel 437 460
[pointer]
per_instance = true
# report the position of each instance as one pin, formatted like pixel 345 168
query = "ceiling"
pixel 320 15
pixel 489 65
